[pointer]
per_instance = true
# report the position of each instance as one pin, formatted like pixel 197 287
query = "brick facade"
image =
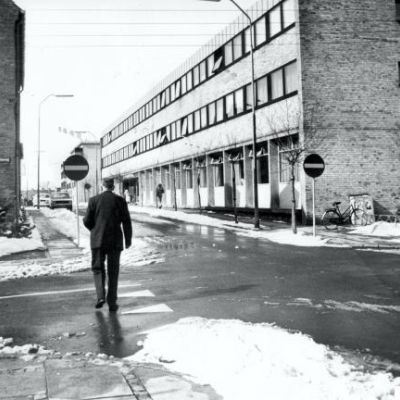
pixel 351 95
pixel 11 72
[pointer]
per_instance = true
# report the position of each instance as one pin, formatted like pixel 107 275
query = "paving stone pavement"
pixel 78 379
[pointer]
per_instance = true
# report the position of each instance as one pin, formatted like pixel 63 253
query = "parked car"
pixel 44 199
pixel 60 200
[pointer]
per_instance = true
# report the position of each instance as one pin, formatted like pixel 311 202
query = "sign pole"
pixel 313 205
pixel 77 214
pixel 313 166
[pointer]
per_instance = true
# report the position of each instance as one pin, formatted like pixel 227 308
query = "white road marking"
pixel 139 293
pixel 60 292
pixel 158 308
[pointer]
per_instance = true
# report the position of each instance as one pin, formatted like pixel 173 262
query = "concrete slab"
pixel 162 384
pixel 69 380
pixel 27 382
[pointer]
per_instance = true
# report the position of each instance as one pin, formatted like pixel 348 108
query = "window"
pixel 196 75
pixel 190 123
pixel 239 101
pixel 178 129
pixel 202 172
pixel 274 21
pixel 167 97
pixel 188 174
pixel 249 97
pixel 177 89
pixel 218 61
pixel 262 91
pixel 163 99
pixel 184 126
pixel 177 172
pixel 228 52
pixel 238 167
pixel 276 84
pixel 197 120
pixel 203 116
pixel 173 131
pixel 172 91
pixel 218 170
pixel 290 78
pixel 260 31
pixel 289 15
pixel 189 80
pixel 211 114
pixel 203 71
pixel 183 84
pixel 247 41
pixel 238 47
pixel 167 178
pixel 286 146
pixel 220 110
pixel 150 108
pixel 230 105
pixel 263 169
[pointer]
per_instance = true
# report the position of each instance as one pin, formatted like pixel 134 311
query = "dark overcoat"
pixel 104 216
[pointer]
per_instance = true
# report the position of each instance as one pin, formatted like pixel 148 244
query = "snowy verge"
pixel 253 361
pixel 384 229
pixel 18 245
pixel 282 236
pixel 141 253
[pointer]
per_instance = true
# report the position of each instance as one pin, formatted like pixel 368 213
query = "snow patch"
pixel 253 361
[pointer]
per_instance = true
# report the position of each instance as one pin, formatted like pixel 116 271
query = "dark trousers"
pixel 99 273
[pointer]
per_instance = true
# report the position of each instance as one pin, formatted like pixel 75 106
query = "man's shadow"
pixel 109 335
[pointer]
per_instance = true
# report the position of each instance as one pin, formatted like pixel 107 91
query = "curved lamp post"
pixel 253 113
pixel 38 143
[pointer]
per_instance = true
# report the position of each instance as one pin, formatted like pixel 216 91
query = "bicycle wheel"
pixel 330 219
pixel 358 217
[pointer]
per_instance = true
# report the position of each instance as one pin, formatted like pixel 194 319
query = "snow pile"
pixel 253 361
pixel 8 350
pixel 381 228
pixel 31 269
pixel 283 236
pixel 65 222
pixel 18 245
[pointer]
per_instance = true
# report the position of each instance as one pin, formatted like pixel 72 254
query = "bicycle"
pixel 333 216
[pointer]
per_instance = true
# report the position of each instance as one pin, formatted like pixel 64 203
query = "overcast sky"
pixel 108 54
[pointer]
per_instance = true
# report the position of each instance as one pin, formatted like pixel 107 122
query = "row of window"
pixel 269 88
pixel 266 28
pixel 183 177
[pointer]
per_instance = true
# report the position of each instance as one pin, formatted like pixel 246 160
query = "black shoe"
pixel 100 303
pixel 113 308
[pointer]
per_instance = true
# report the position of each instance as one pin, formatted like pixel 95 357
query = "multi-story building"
pixel 327 80
pixel 12 24
pixel 91 184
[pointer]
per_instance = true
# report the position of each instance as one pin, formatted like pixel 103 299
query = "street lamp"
pixel 38 145
pixel 253 113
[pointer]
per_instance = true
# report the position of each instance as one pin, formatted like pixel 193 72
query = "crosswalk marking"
pixel 157 308
pixel 139 293
pixel 32 294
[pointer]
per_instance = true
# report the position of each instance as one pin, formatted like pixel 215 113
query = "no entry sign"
pixel 76 167
pixel 314 165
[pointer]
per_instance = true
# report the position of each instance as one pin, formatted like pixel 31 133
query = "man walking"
pixel 104 216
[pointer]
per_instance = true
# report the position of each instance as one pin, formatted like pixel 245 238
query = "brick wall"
pixel 9 105
pixel 351 97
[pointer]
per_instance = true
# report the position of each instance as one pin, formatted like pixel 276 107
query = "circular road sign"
pixel 76 167
pixel 314 165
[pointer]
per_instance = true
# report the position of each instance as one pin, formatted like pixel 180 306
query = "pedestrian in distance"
pixel 127 196
pixel 159 195
pixel 105 214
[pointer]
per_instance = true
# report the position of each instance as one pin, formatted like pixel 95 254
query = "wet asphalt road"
pixel 212 273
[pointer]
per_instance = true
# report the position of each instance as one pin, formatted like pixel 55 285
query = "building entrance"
pixel 132 186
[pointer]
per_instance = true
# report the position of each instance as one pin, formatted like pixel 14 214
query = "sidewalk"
pixel 76 378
